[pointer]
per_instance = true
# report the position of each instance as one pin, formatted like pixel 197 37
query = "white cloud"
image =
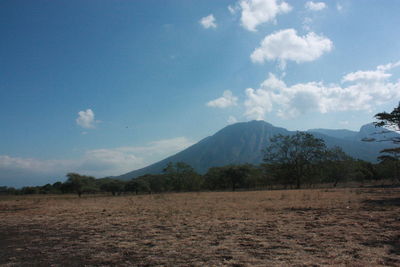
pixel 256 12
pixel 232 120
pixel 97 162
pixel 287 45
pixel 208 22
pixel 363 90
pixel 30 164
pixel 258 103
pixel 388 66
pixel 315 6
pixel 371 75
pixel 86 119
pixel 227 100
pixel 232 9
pixel 366 76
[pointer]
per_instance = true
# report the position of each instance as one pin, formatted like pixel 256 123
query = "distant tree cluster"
pixel 301 159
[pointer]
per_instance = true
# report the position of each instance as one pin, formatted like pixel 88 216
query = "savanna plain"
pixel 313 227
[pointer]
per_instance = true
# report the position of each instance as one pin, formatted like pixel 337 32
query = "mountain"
pixel 341 134
pixel 243 143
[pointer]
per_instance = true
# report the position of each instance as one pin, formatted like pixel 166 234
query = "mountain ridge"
pixel 243 142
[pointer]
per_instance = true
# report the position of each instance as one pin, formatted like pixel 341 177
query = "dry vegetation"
pixel 355 227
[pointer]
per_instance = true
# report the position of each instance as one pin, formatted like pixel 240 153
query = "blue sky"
pixel 105 87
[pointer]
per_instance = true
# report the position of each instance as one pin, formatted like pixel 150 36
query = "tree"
pixel 182 177
pixel 338 165
pixel 388 168
pixel 391 156
pixel 215 179
pixel 236 175
pixel 112 185
pixel 132 186
pixel 80 183
pixel 152 183
pixel 295 155
pixel 232 177
pixel 390 120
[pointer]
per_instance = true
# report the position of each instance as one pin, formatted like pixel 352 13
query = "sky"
pixel 106 87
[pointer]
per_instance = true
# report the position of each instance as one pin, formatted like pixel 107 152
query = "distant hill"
pixel 243 143
pixel 341 134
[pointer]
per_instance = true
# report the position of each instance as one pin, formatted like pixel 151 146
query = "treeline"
pixel 180 177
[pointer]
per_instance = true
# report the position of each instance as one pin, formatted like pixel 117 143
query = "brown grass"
pixel 353 227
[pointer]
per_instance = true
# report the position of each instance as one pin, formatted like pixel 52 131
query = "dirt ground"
pixel 348 227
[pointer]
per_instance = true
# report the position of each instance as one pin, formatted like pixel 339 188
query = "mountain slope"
pixel 237 143
pixel 341 134
pixel 243 143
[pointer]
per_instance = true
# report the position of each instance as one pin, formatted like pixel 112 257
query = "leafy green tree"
pixel 390 162
pixel 255 177
pixel 144 184
pixel 57 186
pixel 180 176
pixel 113 186
pixel 81 183
pixel 47 189
pixel 337 165
pixel 295 156
pixel 237 175
pixel 231 177
pixel 390 120
pixel 28 190
pixel 391 156
pixel 215 179
pixel 152 183
pixel 132 186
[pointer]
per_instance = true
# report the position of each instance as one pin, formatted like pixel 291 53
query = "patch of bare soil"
pixel 355 227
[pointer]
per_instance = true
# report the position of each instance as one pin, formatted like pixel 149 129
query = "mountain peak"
pixel 243 142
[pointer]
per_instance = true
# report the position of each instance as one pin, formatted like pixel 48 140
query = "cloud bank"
pixel 360 90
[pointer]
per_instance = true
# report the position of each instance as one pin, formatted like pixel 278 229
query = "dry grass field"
pixel 348 227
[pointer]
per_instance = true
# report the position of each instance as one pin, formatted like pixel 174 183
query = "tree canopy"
pixel 301 158
pixel 391 156
pixel 391 121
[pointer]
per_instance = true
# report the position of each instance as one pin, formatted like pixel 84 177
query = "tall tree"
pixel 391 121
pixel 295 155
pixel 182 177
pixel 112 185
pixel 337 165
pixel 236 175
pixel 81 183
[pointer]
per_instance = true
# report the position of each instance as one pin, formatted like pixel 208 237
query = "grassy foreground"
pixel 355 227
